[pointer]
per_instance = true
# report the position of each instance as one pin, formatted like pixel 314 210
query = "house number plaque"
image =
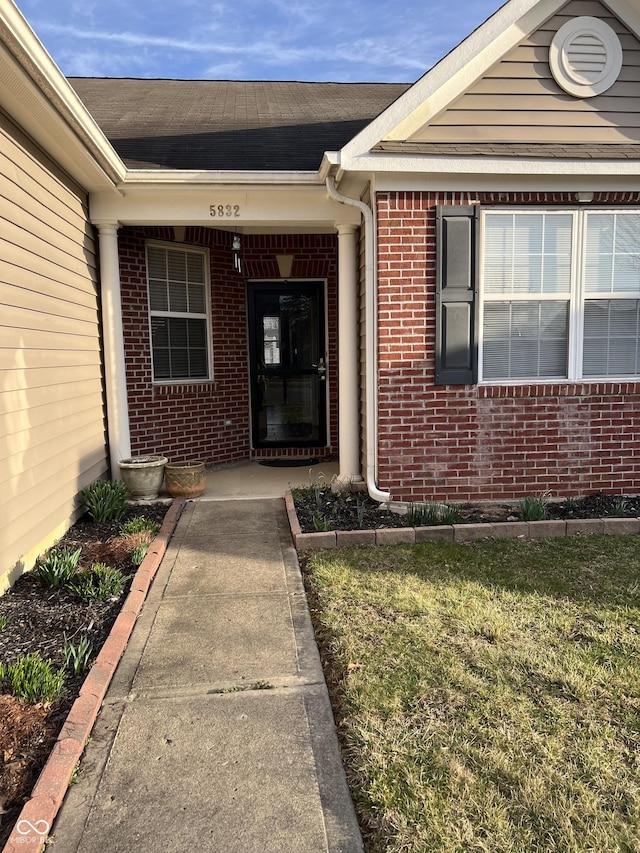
pixel 224 211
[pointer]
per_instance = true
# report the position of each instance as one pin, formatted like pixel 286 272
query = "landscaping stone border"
pixel 40 810
pixel 455 532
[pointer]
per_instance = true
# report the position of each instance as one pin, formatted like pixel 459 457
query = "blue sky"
pixel 323 40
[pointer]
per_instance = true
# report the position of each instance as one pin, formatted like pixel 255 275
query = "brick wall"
pixel 211 421
pixel 491 441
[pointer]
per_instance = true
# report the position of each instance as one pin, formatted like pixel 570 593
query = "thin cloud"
pixel 129 39
pixel 270 52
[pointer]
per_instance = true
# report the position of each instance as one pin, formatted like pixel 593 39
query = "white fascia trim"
pixel 450 77
pixel 184 178
pixel 481 165
pixel 628 12
pixel 67 115
pixel 507 183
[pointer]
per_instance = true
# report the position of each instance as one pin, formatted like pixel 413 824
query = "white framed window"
pixel 179 313
pixel 560 295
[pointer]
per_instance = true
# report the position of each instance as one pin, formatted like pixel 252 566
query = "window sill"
pixel 559 388
pixel 176 387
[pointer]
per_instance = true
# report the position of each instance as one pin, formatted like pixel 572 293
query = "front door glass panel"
pixel 288 364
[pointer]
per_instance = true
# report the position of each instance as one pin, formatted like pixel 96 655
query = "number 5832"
pixel 224 211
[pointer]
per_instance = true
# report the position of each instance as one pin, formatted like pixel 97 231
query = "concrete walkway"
pixel 216 733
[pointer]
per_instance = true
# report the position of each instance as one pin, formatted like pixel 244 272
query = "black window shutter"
pixel 456 292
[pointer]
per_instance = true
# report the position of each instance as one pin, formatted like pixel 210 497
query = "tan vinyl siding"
pixel 519 101
pixel 52 419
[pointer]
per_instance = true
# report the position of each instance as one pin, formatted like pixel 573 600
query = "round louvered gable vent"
pixel 585 57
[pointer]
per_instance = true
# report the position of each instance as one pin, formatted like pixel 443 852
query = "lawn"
pixel 487 696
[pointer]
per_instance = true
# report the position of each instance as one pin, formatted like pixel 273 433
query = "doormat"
pixel 297 462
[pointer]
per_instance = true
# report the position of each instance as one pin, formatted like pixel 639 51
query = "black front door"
pixel 288 364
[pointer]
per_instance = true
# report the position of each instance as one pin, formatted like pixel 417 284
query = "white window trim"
pixel 576 297
pixel 209 325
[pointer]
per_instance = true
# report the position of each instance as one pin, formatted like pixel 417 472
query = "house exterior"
pixel 437 283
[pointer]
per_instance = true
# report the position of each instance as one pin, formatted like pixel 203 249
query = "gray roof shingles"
pixel 230 125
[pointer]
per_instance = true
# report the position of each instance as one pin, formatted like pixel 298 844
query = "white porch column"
pixel 348 362
pixel 114 364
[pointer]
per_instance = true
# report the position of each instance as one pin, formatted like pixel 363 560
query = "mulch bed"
pixel 356 511
pixel 41 619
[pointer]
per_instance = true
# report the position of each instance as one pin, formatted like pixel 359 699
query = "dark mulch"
pixel 40 619
pixel 352 510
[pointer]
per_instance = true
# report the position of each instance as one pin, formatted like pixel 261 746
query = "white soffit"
pixel 585 57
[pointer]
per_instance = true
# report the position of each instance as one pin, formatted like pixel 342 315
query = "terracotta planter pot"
pixel 185 479
pixel 142 475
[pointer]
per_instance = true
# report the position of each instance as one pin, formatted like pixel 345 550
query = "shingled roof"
pixel 230 125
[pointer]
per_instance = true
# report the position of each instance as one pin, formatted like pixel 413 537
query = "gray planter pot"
pixel 143 475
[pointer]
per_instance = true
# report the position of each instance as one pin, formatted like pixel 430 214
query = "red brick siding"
pixel 483 442
pixel 211 421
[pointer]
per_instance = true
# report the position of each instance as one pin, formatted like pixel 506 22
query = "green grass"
pixel 487 696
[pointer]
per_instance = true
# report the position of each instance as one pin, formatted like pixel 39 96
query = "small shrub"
pixel 426 514
pixel 450 514
pixel 534 508
pixel 571 504
pixel 430 514
pixel 32 679
pixel 98 583
pixel 105 501
pixel 320 523
pixel 619 508
pixel 139 525
pixel 77 657
pixel 3 622
pixel 57 567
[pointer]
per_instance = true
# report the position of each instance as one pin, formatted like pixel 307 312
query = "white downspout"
pixel 371 342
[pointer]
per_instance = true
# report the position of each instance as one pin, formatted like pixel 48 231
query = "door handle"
pixel 322 370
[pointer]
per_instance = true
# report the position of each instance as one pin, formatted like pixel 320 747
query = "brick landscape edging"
pixel 49 791
pixel 455 532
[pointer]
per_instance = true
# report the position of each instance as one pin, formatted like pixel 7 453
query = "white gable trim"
pixel 460 69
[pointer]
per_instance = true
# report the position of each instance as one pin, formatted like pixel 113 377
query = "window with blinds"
pixel 179 313
pixel 560 295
